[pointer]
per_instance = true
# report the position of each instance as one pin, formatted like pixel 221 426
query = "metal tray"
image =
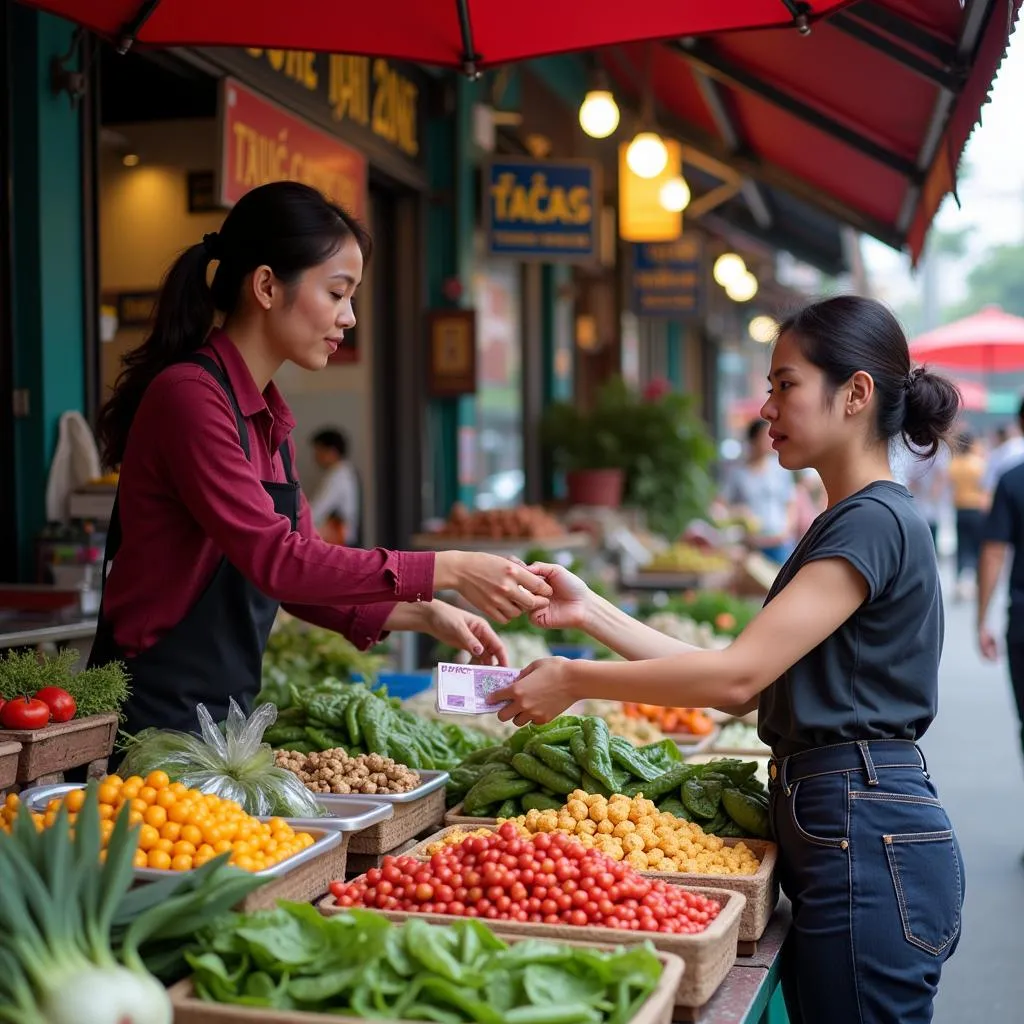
pixel 432 780
pixel 354 815
pixel 326 832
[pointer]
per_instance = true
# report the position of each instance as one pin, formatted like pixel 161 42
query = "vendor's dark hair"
pixel 284 225
pixel 849 333
pixel 755 428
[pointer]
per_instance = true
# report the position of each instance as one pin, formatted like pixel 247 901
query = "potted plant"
pixel 587 445
pixel 651 450
pixel 669 472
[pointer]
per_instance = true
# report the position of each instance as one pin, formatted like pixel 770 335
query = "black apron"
pixel 216 651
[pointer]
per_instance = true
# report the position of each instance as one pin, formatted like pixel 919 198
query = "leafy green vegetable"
pixel 359 963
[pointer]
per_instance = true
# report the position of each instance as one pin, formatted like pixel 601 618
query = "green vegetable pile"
pixel 336 714
pixel 359 964
pixel 77 945
pixel 538 766
pixel 729 615
pixel 302 655
pixel 97 691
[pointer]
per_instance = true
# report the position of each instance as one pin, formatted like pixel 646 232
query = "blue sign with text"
pixel 546 210
pixel 668 278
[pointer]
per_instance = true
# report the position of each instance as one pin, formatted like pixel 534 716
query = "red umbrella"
pixel 990 342
pixel 974 395
pixel 467 34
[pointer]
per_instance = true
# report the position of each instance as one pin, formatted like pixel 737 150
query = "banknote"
pixel 463 689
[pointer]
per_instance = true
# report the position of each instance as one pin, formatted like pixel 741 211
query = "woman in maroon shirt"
pixel 210 532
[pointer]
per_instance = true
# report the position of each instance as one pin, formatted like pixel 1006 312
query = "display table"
pixel 752 992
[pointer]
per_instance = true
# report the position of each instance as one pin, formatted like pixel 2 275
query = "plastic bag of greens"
pixel 236 764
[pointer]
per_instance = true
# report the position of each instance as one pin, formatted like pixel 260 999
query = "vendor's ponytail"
pixel 285 226
pixel 183 318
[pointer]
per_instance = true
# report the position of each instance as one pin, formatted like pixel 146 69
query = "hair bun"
pixel 931 408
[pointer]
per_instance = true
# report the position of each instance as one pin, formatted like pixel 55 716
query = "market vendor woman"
pixel 210 532
pixel 842 665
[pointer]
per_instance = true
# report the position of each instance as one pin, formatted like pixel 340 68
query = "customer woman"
pixel 842 665
pixel 210 531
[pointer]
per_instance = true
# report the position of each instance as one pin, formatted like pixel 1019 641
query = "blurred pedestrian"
pixel 760 489
pixel 970 500
pixel 1008 452
pixel 336 503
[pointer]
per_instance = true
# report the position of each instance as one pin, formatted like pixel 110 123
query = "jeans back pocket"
pixel 925 869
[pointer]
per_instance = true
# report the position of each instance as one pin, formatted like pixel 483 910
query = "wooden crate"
pixel 9 755
pixel 61 746
pixel 708 955
pixel 408 821
pixel 188 1009
pixel 761 889
pixel 304 884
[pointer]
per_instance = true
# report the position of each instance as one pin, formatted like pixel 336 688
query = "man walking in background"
pixel 335 504
pixel 1003 529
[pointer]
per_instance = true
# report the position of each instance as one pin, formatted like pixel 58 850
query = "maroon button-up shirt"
pixel 189 496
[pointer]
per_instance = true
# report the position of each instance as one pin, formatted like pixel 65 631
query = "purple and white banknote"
pixel 463 689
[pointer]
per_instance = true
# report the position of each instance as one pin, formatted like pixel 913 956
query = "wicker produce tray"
pixel 9 754
pixel 304 883
pixel 761 890
pixel 707 955
pixel 305 876
pixel 62 746
pixel 414 812
pixel 656 1009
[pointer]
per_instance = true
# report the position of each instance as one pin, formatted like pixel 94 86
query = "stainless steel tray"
pixel 326 832
pixel 431 781
pixel 354 815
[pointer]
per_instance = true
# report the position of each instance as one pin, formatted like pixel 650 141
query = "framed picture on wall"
pixel 202 192
pixel 451 352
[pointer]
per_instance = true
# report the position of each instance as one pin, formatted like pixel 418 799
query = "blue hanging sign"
pixel 545 210
pixel 668 278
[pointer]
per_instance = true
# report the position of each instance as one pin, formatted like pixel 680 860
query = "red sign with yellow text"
pixel 260 142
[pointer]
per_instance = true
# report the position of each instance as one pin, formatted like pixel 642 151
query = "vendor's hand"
pixel 500 588
pixel 466 631
pixel 987 644
pixel 569 602
pixel 542 692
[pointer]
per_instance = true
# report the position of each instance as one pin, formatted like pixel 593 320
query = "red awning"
pixel 866 117
pixel 450 33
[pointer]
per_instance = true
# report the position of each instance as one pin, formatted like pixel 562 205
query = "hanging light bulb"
pixel 742 288
pixel 728 267
pixel 675 195
pixel 763 329
pixel 647 155
pixel 599 113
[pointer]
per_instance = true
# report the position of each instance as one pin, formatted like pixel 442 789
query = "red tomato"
pixel 24 713
pixel 61 704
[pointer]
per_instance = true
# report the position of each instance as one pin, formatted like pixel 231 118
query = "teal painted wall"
pixel 49 345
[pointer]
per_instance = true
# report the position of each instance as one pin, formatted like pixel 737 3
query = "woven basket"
pixel 62 746
pixel 708 955
pixel 306 883
pixel 656 1009
pixel 456 817
pixel 761 890
pixel 9 753
pixel 409 820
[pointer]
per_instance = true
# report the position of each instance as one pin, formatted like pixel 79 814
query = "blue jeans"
pixel 871 864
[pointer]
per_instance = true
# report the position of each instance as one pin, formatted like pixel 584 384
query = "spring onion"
pixel 56 961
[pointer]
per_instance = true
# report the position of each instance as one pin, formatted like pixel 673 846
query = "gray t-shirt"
pixel 877 675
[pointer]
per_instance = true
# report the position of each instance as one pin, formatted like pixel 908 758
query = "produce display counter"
pixel 751 992
pixel 32 630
